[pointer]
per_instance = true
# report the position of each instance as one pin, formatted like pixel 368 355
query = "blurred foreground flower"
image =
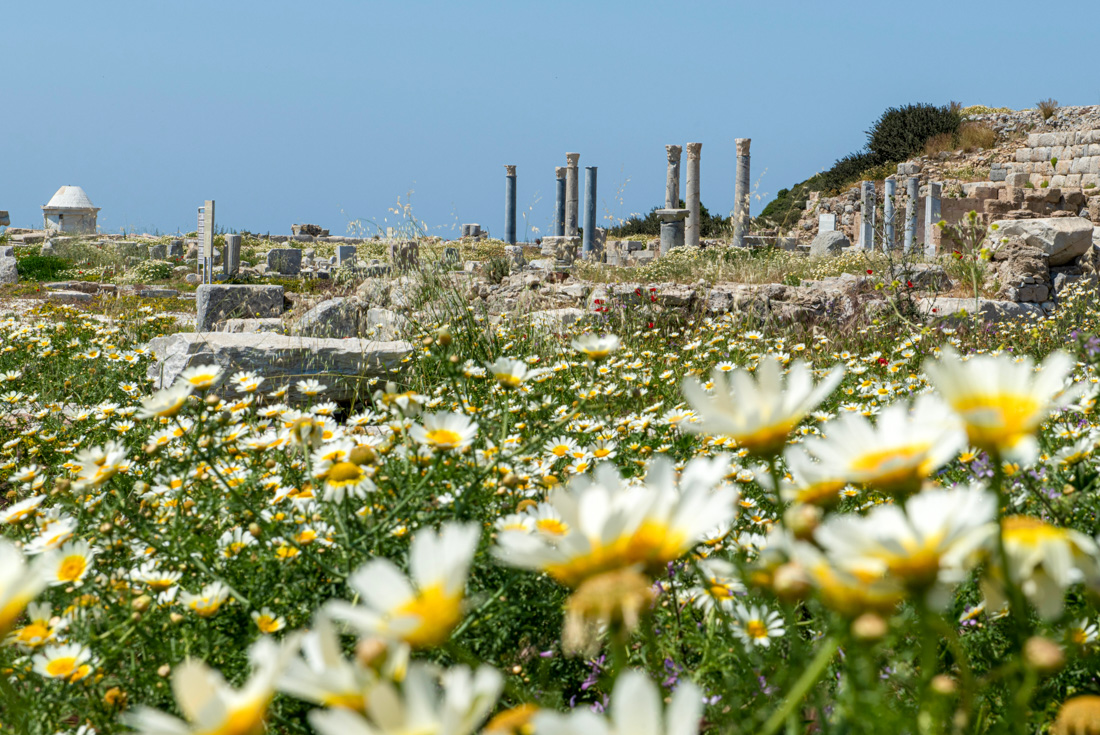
pixel 1001 401
pixel 927 547
pixel 212 706
pixel 635 709
pixel 1044 561
pixel 897 452
pixel 759 414
pixel 596 348
pixel 421 614
pixel 19 583
pixel 605 523
pixel 417 706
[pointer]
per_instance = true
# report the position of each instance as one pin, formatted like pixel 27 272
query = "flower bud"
pixel 1044 655
pixel 869 627
pixel 791 583
pixel 802 519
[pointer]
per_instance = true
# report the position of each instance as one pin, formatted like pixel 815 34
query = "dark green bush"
pixel 710 225
pixel 41 267
pixel 901 132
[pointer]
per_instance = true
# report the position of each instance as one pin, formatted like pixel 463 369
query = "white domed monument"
pixel 70 210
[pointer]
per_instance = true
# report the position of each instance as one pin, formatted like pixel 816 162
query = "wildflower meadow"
pixel 643 523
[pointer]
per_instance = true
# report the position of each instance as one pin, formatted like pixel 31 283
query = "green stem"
pixel 802 687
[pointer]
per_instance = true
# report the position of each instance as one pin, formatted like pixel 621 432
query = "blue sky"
pixel 326 111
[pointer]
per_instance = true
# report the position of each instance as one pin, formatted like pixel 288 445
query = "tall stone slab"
pixel 866 215
pixel 931 217
pixel 572 195
pixel 231 261
pixel 912 192
pixel 741 193
pixel 692 226
pixel 891 186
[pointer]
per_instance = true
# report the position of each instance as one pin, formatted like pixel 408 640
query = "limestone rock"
pixel 922 276
pixel 829 243
pixel 1023 271
pixel 990 310
pixel 336 318
pixel 1062 238
pixel 217 302
pixel 344 365
pixel 8 271
pixel 252 326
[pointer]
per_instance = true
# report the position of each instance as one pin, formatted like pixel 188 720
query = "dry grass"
pixel 970 137
pixel 1047 107
pixel 976 137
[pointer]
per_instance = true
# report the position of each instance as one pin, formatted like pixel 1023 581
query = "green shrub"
pixel 497 269
pixel 901 132
pixel 41 267
pixel 149 270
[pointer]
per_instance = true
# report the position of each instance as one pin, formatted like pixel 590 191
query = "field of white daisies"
pixel 652 524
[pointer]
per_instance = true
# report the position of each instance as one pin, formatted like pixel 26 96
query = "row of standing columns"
pixel 683 225
pixel 912 193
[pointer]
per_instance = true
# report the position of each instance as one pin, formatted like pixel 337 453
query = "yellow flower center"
pixel 72 568
pixel 438 614
pixel 508 380
pixel 62 667
pixel 552 526
pixel 756 629
pixel 347 700
pixel 246 720
pixel 345 473
pixel 204 380
pixel 719 591
pixel 12 610
pixel 998 420
pixel 444 438
pixel 34 634
pixel 767 440
pixel 1030 531
pixel 896 468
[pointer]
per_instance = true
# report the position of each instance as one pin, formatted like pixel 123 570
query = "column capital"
pixel 559 172
pixel 571 159
pixel 742 145
pixel 693 150
pixel 509 170
pixel 673 152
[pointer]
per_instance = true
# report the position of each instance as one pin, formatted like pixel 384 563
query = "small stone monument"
pixel 345 255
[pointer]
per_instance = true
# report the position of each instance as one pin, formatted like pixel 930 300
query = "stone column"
pixel 931 217
pixel 231 258
pixel 559 202
pixel 672 178
pixel 912 191
pixel 691 196
pixel 589 211
pixel 672 228
pixel 888 212
pixel 866 215
pixel 510 205
pixel 572 194
pixel 741 193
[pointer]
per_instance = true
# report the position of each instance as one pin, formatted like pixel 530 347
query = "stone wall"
pixel 1069 160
